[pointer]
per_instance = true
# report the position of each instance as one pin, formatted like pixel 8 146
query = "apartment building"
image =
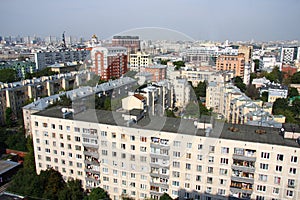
pixel 149 158
pixel 247 51
pixel 44 59
pixel 231 62
pixel 131 43
pixel 159 72
pixel 109 62
pixel 138 60
pixel 289 54
pixel 196 75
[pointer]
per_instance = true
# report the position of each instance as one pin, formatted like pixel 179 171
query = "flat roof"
pixel 181 126
pixel 6 165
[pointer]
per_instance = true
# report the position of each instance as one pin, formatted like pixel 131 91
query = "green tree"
pixel 256 64
pixel 265 96
pixel 275 76
pixel 164 62
pixel 296 78
pixel 200 90
pixel 293 92
pixel 98 193
pixel 252 76
pixel 8 75
pixel 178 64
pixel 170 113
pixel 72 191
pixel 53 183
pixel 64 101
pixel 296 107
pixel 165 196
pixel 252 92
pixel 8 117
pixel 107 103
pixel 279 106
pixel 238 82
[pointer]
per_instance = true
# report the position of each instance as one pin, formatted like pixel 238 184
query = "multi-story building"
pixel 138 60
pixel 267 63
pixel 159 72
pixel 44 59
pixel 196 75
pixel 231 62
pixel 275 91
pixel 21 67
pixel 149 158
pixel 17 94
pixel 201 55
pixel 247 51
pixel 182 92
pixel 131 43
pixel 289 54
pixel 109 62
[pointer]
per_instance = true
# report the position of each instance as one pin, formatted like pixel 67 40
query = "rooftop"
pixel 6 165
pixel 181 126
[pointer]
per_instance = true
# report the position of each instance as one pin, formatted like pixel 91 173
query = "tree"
pixel 265 96
pixel 178 64
pixel 293 92
pixel 170 113
pixel 275 76
pixel 252 92
pixel 8 75
pixel 256 64
pixel 8 117
pixel 64 101
pixel 98 193
pixel 72 191
pixel 53 183
pixel 279 106
pixel 252 76
pixel 165 196
pixel 238 82
pixel 200 90
pixel 296 107
pixel 296 78
pixel 164 62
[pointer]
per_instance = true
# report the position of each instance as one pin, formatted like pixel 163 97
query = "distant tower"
pixel 64 46
pixel 95 41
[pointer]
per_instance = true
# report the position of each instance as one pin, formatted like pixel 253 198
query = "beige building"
pixel 196 75
pixel 231 62
pixel 138 60
pixel 247 51
pixel 145 160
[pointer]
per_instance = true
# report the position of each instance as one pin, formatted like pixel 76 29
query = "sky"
pixel 218 20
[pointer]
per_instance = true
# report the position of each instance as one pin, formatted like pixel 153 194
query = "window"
pixel 123 146
pixel 76 129
pixel 36 124
pixel 78 156
pixel 210 170
pixel 199 168
pixel 132 138
pixel 221 192
pixel 176 174
pixel 265 155
pixel 62 153
pixel 280 157
pixel 198 178
pixel 294 159
pixel 143 149
pixel 45 125
pixel 175 183
pixel 123 136
pixel 188 155
pixel 200 146
pixel 60 127
pixel 198 187
pixel 223 181
pixel 176 143
pixel 77 139
pixel 68 128
pixel 275 190
pixel 210 159
pixel 277 180
pixel 48 158
pixel 260 197
pixel 61 136
pixel 211 149
pixel 262 177
pixel 176 164
pixel 291 183
pixel 278 168
pixel 223 171
pixel 238 151
pixel 224 161
pixel 264 166
pixel 224 150
pixel 113 135
pixel 69 137
pixel 199 157
pixel 132 147
pixel 289 193
pixel 143 159
pixel 189 145
pixel 143 139
pixel 53 135
pixel 292 170
pixel 188 166
pixel 104 152
pixel 103 133
pixel 47 150
pixel 176 154
pixel 261 188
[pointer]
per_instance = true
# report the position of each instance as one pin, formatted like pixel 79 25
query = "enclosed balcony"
pixel 244 154
pixel 243 188
pixel 244 166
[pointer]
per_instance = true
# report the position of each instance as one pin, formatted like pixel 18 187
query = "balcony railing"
pixel 162 185
pixel 242 179
pixel 241 190
pixel 242 157
pixel 159 175
pixel 91 153
pixel 160 156
pixel 243 168
pixel 96 146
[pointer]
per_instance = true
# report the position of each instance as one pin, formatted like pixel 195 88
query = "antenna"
pixel 64 46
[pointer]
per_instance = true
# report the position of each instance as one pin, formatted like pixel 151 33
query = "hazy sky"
pixel 200 19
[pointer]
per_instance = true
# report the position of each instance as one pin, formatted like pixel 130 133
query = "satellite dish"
pixel 64 110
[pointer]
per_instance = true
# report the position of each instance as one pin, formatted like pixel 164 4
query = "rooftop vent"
pixel 260 131
pixel 233 129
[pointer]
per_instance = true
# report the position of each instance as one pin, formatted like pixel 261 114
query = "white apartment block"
pixel 195 75
pixel 167 156
pixel 182 92
pixel 138 60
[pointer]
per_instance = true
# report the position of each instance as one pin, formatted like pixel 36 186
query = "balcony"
pixel 242 179
pixel 159 145
pixel 156 193
pixel 91 153
pixel 90 145
pixel 245 158
pixel 92 170
pixel 90 135
pixel 243 168
pixel 159 156
pixel 91 162
pixel 162 185
pixel 241 190
pixel 159 175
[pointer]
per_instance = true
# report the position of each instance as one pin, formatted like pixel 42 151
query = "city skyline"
pixel 205 20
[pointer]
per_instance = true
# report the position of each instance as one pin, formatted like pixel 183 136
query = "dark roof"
pixel 6 165
pixel 181 126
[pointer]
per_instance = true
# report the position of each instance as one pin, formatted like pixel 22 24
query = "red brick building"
pixel 159 72
pixel 131 43
pixel 288 70
pixel 109 62
pixel 232 62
